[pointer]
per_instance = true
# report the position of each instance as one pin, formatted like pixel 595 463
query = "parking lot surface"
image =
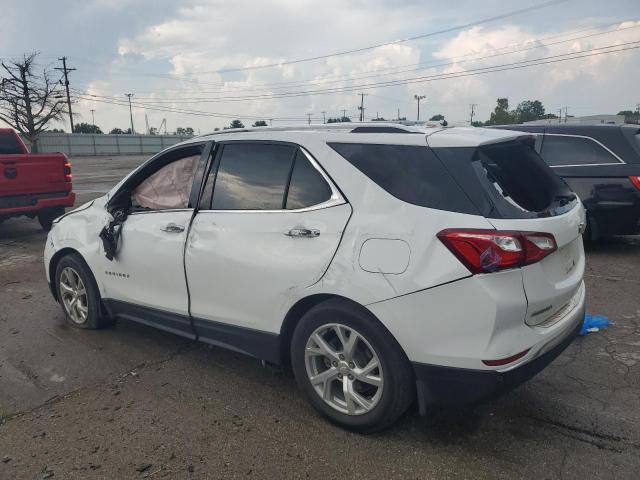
pixel 133 402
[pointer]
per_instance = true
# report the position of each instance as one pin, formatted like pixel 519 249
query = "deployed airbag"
pixel 169 187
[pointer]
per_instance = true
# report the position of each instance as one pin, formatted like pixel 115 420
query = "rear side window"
pixel 9 144
pixel 307 187
pixel 410 173
pixel 252 176
pixel 559 150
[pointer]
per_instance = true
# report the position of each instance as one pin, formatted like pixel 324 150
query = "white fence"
pixel 79 144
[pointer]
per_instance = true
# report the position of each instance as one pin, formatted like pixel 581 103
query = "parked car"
pixel 380 262
pixel 601 163
pixel 32 184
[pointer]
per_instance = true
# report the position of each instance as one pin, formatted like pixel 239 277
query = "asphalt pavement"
pixel 133 402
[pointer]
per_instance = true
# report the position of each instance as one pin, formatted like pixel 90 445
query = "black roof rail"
pixel 381 129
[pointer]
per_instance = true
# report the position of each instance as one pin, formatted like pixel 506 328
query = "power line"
pixel 395 42
pixel 480 71
pixel 378 73
pixel 427 78
pixel 66 71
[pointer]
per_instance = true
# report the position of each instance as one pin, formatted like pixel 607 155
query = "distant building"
pixel 586 120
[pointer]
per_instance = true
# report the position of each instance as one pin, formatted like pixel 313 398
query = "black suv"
pixel 601 163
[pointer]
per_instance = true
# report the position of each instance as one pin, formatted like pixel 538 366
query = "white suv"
pixel 382 263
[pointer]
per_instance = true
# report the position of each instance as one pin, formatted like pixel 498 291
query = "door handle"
pixel 172 228
pixel 303 232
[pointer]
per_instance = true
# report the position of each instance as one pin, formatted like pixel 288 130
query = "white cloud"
pixel 198 40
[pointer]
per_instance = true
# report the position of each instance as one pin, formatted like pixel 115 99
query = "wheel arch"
pixel 302 306
pixel 53 265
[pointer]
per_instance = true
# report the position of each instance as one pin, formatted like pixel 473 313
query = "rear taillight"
pixel 636 181
pixel 66 169
pixel 486 251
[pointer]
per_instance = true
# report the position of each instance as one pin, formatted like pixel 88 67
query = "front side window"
pixel 560 150
pixel 252 176
pixel 170 186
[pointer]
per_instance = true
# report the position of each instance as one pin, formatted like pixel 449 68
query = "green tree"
pixel 56 130
pixel 184 131
pixel 630 116
pixel 378 119
pixel 476 123
pixel 236 124
pixel 437 118
pixel 260 123
pixel 86 128
pixel 338 120
pixel 529 110
pixel 501 114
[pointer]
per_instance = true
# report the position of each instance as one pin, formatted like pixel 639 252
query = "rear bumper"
pixel 31 203
pixel 439 385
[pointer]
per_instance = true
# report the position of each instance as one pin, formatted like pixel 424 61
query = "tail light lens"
pixel 486 251
pixel 66 169
pixel 636 181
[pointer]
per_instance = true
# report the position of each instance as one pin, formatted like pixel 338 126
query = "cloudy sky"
pixel 200 63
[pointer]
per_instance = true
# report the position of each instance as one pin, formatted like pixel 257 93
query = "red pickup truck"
pixel 32 184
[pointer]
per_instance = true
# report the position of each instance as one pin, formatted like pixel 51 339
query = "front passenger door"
pixel 145 282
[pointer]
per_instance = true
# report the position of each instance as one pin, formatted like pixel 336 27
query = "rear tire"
pixel 363 385
pixel 78 293
pixel 48 215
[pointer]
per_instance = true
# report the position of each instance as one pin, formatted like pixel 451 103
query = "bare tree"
pixel 28 101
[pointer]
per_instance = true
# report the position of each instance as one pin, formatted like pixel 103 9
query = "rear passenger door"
pixel 269 223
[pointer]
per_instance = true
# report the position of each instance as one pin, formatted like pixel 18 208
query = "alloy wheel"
pixel 74 296
pixel 344 369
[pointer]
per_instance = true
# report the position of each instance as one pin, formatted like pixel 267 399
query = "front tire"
pixel 350 367
pixel 78 293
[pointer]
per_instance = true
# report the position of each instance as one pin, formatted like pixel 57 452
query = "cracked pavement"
pixel 133 402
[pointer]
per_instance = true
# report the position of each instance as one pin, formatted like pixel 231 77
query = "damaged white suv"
pixel 382 263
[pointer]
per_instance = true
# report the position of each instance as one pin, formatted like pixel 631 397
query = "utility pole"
pixel 129 95
pixel 559 115
pixel 308 119
pixel 66 71
pixel 361 107
pixel 344 113
pixel 324 117
pixel 565 114
pixel 473 112
pixel 271 122
pixel 418 98
pixel 93 117
pixel 398 114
